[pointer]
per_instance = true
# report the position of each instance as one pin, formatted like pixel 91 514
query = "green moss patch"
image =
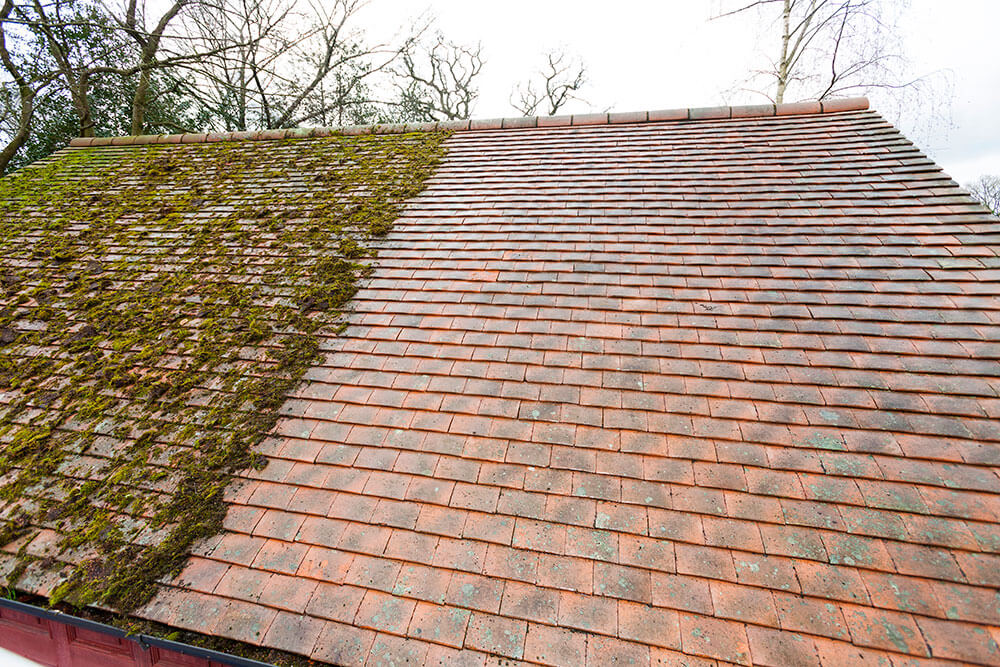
pixel 158 304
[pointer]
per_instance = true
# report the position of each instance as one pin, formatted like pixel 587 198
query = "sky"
pixel 655 54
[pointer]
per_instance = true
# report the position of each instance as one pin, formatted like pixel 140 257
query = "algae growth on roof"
pixel 158 304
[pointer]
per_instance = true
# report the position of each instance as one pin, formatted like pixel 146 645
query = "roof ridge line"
pixel 611 118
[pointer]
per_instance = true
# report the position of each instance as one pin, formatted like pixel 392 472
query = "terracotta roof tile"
pixel 701 385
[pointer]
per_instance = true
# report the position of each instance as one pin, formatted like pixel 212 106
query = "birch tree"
pixel 828 48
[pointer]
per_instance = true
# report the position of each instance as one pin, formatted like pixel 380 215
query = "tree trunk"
pixel 150 45
pixel 786 18
pixel 241 100
pixel 78 87
pixel 139 102
pixel 82 106
pixel 24 90
pixel 23 127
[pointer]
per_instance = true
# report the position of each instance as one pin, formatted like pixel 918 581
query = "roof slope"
pixel 724 389
pixel 158 303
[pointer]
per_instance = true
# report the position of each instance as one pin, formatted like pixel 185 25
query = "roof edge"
pixel 144 640
pixel 613 118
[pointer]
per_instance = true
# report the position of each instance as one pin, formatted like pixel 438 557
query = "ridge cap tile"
pixel 709 113
pixel 837 105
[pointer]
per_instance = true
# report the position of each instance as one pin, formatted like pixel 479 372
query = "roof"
pixel 721 385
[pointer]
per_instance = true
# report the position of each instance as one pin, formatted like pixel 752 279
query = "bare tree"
pixel 829 48
pixel 243 43
pixel 287 65
pixel 987 190
pixel 437 82
pixel 340 56
pixel 133 21
pixel 559 81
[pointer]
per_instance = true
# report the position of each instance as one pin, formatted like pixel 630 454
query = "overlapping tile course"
pixel 724 390
pixel 705 392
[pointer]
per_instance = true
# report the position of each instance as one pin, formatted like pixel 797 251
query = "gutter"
pixel 145 641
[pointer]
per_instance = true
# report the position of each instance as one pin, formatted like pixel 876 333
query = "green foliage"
pixel 95 40
pixel 55 121
pixel 158 305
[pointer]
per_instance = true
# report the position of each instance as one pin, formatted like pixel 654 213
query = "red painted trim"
pixel 58 644
pixel 34 633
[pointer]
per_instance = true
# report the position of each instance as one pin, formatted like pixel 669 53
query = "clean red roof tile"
pixel 590 613
pixel 202 575
pixel 886 630
pixel 473 591
pixel 289 593
pixel 773 647
pixel 422 583
pixel 608 651
pixel 294 632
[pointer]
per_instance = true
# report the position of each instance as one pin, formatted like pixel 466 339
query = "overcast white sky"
pixel 651 54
